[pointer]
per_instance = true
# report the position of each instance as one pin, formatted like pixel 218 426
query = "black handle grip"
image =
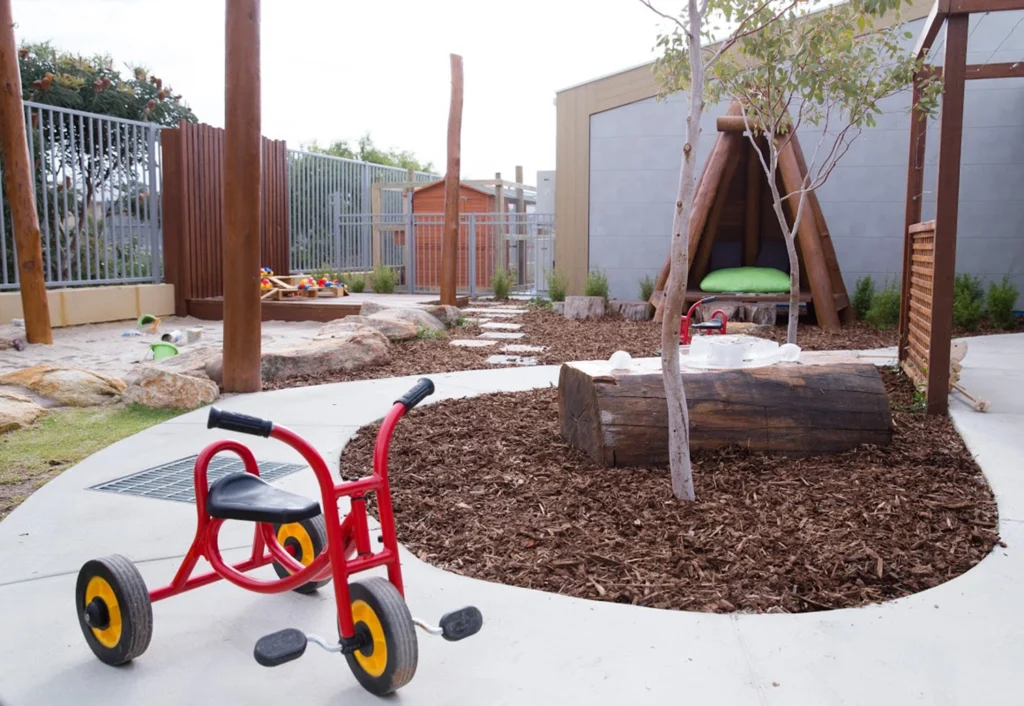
pixel 423 388
pixel 707 300
pixel 242 423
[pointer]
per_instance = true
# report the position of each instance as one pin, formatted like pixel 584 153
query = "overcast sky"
pixel 335 69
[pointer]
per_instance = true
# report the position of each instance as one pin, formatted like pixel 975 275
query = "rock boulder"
pixel 419 318
pixel 73 387
pixel 17 411
pixel 151 386
pixel 393 329
pixel 348 350
pixel 445 313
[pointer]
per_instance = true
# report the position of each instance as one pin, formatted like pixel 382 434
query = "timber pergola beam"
pixel 934 299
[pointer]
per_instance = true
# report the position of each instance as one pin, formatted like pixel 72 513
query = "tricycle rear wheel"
pixel 380 614
pixel 306 540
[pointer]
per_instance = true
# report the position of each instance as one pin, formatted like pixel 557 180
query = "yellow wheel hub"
pixel 297 532
pixel 99 588
pixel 375 664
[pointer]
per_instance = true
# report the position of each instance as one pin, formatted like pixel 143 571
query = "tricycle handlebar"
pixel 423 388
pixel 242 423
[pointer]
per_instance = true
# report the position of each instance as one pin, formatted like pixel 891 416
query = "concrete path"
pixel 960 643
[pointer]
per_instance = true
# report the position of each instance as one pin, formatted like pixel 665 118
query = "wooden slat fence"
pixel 919 301
pixel 193 210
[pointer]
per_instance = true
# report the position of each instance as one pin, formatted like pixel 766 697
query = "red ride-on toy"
pixel 716 324
pixel 307 547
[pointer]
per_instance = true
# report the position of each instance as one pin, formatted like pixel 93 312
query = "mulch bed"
pixel 485 487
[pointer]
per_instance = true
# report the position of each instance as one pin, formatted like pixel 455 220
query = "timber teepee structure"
pixel 733 223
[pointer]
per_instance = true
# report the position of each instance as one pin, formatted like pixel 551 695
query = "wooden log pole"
pixel 450 243
pixel 701 258
pixel 20 191
pixel 697 220
pixel 731 123
pixel 947 198
pixel 621 420
pixel 810 242
pixel 842 299
pixel 242 151
pixel 752 215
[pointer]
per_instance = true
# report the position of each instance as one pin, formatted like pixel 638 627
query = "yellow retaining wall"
pixel 93 305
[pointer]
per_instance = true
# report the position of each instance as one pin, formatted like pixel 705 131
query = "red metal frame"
pixel 349 549
pixel 685 337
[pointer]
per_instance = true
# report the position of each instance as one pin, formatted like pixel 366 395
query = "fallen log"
pixel 798 410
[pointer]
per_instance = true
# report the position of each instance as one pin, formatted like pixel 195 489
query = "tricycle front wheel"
pixel 114 610
pixel 305 540
pixel 380 614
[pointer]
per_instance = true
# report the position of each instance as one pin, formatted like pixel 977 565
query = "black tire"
pixel 315 530
pixel 120 610
pixel 394 633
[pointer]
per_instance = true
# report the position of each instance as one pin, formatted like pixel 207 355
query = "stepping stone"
pixel 488 311
pixel 522 348
pixel 472 343
pixel 501 335
pixel 510 360
pixel 476 320
pixel 505 327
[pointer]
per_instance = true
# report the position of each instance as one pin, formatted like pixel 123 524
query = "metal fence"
pixel 323 190
pixel 523 245
pixel 97 188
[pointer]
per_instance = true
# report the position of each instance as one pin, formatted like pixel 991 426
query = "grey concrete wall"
pixel 634 170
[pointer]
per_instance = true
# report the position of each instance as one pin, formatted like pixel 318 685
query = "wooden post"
pixel 915 196
pixel 752 220
pixel 520 229
pixel 20 191
pixel 450 244
pixel 947 198
pixel 810 242
pixel 242 147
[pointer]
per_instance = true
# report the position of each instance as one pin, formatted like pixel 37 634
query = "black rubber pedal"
pixel 462 623
pixel 280 647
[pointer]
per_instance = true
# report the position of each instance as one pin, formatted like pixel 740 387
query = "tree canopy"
pixel 93 84
pixel 367 151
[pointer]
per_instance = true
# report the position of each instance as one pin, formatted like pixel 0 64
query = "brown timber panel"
pixel 922 269
pixel 193 170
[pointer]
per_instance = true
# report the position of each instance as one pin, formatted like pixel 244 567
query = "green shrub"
pixel 646 288
pixel 1001 298
pixel 539 304
pixel 884 311
pixel 968 306
pixel 862 297
pixel 597 284
pixel 383 279
pixel 356 283
pixel 501 283
pixel 557 286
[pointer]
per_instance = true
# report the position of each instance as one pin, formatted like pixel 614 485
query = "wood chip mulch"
pixel 486 487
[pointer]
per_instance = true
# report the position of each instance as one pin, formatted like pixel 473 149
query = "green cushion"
pixel 753 280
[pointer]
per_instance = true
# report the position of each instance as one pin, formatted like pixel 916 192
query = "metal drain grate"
pixel 174 480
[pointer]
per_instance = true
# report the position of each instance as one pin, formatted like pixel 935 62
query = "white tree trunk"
pixel 789 236
pixel 675 288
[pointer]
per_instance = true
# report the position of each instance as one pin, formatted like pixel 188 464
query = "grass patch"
pixel 429 334
pixel 557 286
pixel 383 280
pixel 501 283
pixel 31 456
pixel 597 284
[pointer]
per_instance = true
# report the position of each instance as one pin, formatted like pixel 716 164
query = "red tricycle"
pixel 308 547
pixel 717 323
